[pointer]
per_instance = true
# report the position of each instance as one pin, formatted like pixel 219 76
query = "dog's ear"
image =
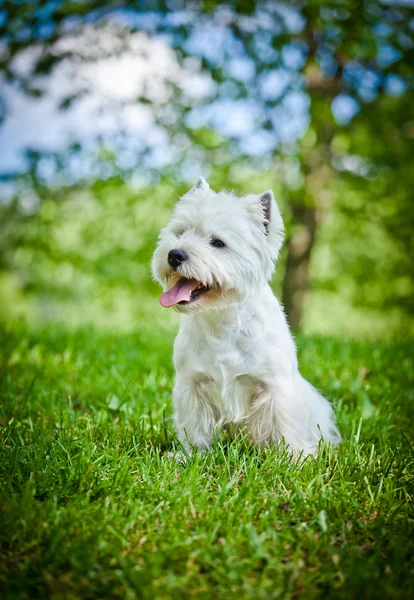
pixel 266 200
pixel 267 217
pixel 200 185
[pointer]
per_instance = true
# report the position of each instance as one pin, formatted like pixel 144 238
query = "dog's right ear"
pixel 200 185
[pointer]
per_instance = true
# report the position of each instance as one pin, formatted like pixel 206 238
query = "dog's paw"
pixel 178 457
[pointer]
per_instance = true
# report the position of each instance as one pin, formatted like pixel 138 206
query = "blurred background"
pixel 110 110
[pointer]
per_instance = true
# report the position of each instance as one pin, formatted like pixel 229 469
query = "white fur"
pixel 235 358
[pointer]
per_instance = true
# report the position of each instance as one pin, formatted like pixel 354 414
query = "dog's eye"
pixel 217 243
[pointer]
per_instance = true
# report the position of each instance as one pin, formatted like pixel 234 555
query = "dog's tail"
pixel 322 418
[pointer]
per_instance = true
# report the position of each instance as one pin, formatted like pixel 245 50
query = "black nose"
pixel 176 257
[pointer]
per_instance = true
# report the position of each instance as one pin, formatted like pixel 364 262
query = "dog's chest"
pixel 228 365
pixel 227 358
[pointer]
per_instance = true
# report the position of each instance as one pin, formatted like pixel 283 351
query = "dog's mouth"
pixel 185 291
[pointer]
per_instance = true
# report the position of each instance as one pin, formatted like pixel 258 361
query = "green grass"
pixel 91 506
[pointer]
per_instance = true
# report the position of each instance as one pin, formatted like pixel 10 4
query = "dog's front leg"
pixel 195 415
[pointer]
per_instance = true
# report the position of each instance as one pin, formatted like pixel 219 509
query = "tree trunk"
pixel 322 90
pixel 296 279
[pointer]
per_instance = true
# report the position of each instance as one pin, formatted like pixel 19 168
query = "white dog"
pixel 235 358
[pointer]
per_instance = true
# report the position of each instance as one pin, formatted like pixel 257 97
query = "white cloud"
pixel 114 69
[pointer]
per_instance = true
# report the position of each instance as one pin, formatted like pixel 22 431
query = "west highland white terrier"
pixel 235 358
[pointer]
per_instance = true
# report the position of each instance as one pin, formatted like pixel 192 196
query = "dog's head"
pixel 217 249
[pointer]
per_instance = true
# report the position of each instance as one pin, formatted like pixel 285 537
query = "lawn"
pixel 93 507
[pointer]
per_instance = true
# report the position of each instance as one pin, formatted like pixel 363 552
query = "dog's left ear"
pixel 266 214
pixel 266 200
pixel 200 185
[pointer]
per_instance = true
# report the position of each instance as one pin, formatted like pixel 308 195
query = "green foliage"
pixel 87 248
pixel 92 506
pixel 83 255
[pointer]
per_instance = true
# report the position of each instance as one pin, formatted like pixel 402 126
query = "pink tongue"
pixel 181 291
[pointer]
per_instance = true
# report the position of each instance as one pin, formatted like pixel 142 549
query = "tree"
pixel 338 59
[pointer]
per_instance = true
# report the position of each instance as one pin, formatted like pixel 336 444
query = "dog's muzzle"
pixel 176 257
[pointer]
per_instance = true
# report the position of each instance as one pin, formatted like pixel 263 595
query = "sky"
pixel 111 71
pixel 114 70
pixel 113 83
